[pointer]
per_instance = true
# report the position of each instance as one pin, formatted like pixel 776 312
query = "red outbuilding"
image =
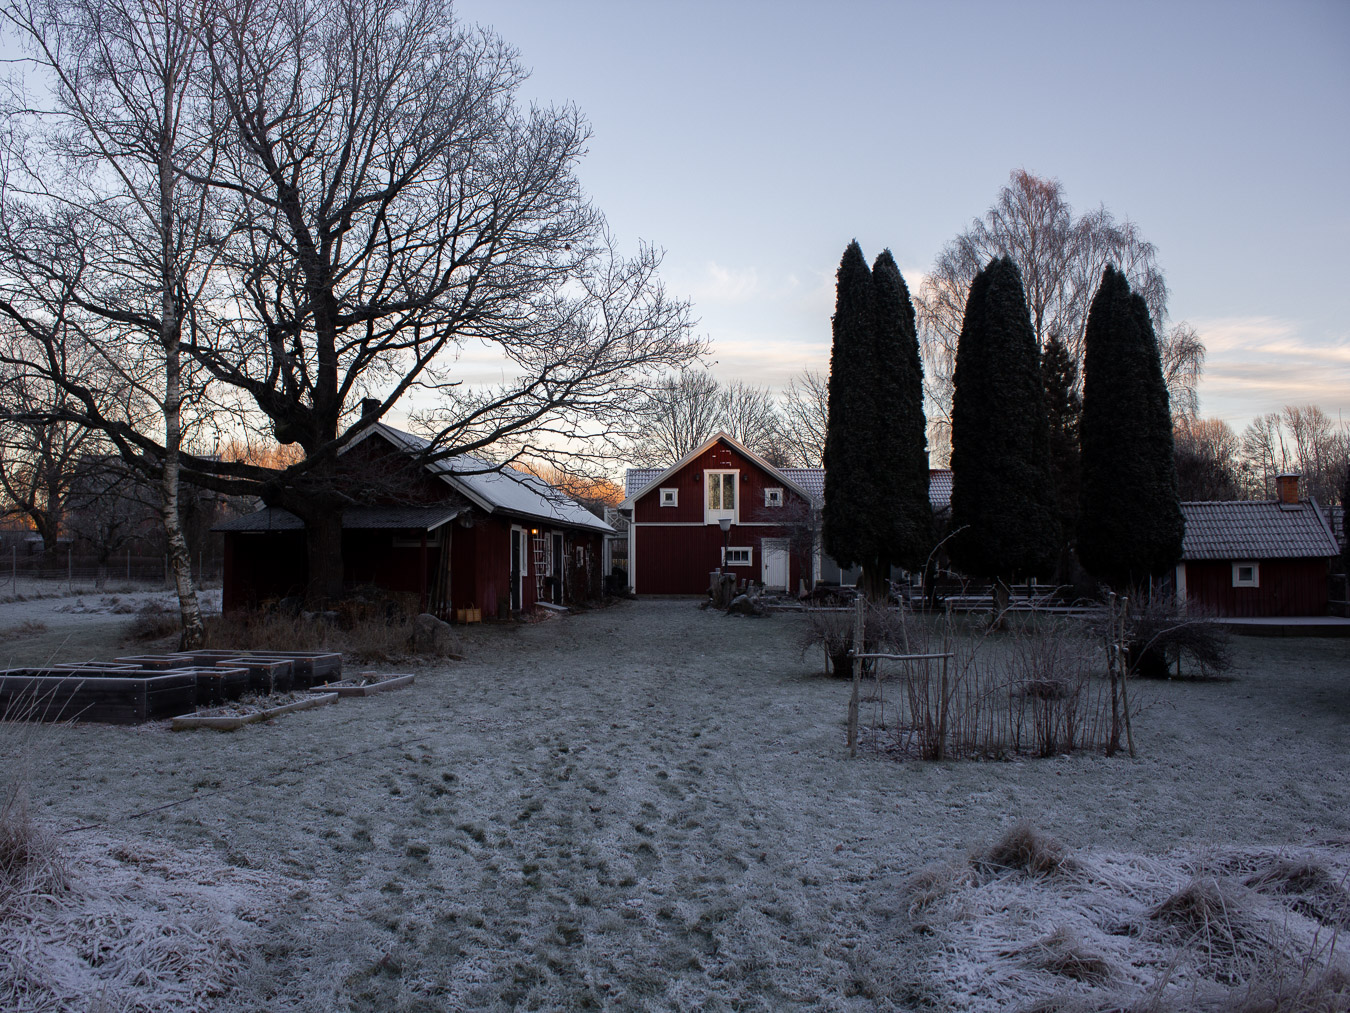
pixel 1257 558
pixel 456 533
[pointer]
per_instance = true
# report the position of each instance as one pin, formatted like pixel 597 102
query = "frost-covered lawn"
pixel 651 806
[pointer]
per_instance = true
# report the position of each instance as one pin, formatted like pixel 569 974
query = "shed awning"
pixel 359 518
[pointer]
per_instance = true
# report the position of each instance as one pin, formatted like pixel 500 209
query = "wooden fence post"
pixel 855 663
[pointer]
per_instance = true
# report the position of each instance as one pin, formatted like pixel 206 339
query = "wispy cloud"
pixel 1259 364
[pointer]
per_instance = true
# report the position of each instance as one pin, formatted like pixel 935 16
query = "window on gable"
pixel 670 497
pixel 720 496
pixel 738 555
pixel 773 497
pixel 1247 574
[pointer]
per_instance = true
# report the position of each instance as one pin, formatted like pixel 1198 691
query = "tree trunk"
pixel 1002 596
pixel 170 327
pixel 323 544
pixel 876 583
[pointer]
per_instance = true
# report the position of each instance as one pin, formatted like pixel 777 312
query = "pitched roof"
pixel 634 479
pixel 1263 529
pixel 633 490
pixel 497 488
pixel 357 518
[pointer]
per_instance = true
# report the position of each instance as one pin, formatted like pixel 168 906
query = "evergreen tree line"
pixel 1040 476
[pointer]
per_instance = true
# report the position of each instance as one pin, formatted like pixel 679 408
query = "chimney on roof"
pixel 1287 487
pixel 369 406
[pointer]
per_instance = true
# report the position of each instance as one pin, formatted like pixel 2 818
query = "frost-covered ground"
pixel 651 806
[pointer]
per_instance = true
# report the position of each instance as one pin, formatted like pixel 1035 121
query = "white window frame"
pixel 1254 580
pixel 773 497
pixel 734 553
pixel 712 516
pixel 670 497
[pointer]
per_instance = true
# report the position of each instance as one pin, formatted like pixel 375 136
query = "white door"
pixel 773 563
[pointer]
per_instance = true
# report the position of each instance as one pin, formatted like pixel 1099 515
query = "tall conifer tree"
pixel 1001 491
pixel 1063 412
pixel 1130 524
pixel 876 462
pixel 848 434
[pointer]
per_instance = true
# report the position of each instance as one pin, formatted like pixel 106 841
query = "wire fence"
pixel 47 576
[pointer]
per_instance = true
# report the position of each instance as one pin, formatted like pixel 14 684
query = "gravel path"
pixel 650 806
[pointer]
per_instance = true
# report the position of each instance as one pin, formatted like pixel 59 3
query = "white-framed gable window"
pixel 670 497
pixel 738 555
pixel 773 497
pixel 719 495
pixel 1247 574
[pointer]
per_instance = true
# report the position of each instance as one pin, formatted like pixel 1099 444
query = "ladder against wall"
pixel 540 563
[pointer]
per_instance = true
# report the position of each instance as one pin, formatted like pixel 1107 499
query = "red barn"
pixel 1261 558
pixel 452 532
pixel 675 534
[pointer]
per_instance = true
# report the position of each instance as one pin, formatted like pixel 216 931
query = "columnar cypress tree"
pixel 902 466
pixel 849 431
pixel 1130 524
pixel 1063 411
pixel 1001 492
pixel 876 463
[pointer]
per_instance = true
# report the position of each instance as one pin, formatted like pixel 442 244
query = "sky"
pixel 753 140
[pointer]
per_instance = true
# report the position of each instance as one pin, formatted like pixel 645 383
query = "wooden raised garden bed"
pixel 247 715
pixel 369 683
pixel 95 695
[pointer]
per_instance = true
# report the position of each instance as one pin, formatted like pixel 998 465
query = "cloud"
pixel 727 285
pixel 1256 365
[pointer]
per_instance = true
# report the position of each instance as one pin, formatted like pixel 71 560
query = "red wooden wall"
pixel 1289 587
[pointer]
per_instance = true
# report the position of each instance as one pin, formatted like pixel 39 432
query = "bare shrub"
pixel 1163 635
pixel 1030 691
pixel 885 628
pixel 1313 890
pixel 153 621
pixel 27 628
pixel 365 632
pixel 1025 849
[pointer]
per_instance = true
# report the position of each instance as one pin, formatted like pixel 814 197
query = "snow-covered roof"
pixel 496 489
pixel 1265 529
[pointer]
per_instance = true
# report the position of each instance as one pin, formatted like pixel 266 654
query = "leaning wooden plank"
pixel 229 722
pixel 369 683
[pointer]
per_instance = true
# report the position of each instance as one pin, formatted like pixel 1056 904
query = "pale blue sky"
pixel 753 140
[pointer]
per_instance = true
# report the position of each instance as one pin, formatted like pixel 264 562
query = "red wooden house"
pixel 454 532
pixel 676 535
pixel 1257 558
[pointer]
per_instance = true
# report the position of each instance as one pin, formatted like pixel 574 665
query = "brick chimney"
pixel 1287 488
pixel 369 406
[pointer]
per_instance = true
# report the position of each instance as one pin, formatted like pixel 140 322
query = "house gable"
pixel 688 479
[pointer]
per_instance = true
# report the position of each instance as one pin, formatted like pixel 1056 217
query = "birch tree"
pixel 105 235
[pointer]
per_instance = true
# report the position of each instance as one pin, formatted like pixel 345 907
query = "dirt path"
pixel 651 807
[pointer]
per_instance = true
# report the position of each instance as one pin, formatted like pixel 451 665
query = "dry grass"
pixel 153 621
pixel 360 632
pixel 1025 849
pixel 27 628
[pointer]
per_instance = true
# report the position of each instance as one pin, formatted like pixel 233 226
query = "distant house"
pixel 453 533
pixel 1257 558
pixel 674 517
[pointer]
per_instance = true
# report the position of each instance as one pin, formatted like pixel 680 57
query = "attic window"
pixel 773 497
pixel 1247 574
pixel 670 497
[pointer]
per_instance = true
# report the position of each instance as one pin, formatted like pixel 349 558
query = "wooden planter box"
pixel 308 668
pixel 349 687
pixel 95 695
pixel 229 722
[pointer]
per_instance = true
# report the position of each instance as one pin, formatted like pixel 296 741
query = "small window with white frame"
pixel 773 497
pixel 670 497
pixel 738 555
pixel 1247 574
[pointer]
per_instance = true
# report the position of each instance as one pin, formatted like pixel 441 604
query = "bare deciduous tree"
pixel 749 415
pixel 678 416
pixel 805 413
pixel 1207 452
pixel 1298 438
pixel 377 201
pixel 1061 259
pixel 105 236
